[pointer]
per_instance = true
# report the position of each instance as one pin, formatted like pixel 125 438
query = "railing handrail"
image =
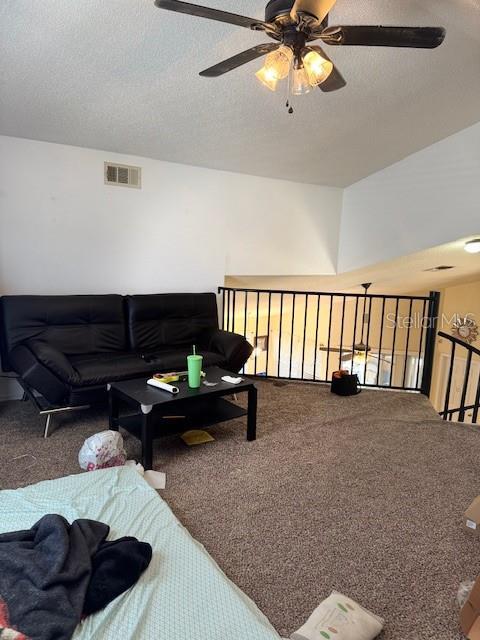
pixel 393 296
pixel 461 343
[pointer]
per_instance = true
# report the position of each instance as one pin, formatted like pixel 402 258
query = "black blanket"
pixel 54 573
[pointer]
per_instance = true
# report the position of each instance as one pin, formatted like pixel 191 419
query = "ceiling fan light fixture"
pixel 268 77
pixel 360 358
pixel 279 61
pixel 473 246
pixel 316 66
pixel 300 82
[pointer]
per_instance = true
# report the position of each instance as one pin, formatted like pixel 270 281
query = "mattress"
pixel 183 595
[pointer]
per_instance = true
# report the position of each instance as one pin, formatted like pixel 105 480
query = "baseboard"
pixel 10 390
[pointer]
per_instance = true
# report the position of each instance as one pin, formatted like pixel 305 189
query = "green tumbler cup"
pixel 194 364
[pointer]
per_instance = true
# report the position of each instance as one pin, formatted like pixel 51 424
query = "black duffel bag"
pixel 345 384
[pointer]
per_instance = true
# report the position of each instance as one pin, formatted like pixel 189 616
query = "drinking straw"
pixel 194 352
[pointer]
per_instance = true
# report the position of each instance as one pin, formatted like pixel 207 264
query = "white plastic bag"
pixel 340 618
pixel 104 449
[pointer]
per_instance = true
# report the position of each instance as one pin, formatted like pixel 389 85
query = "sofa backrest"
pixel 72 324
pixel 169 319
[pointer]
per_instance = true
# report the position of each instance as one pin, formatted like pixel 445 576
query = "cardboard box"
pixel 472 516
pixel 470 613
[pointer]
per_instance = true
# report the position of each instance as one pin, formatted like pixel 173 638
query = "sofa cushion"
pixel 176 360
pixel 108 367
pixel 169 319
pixel 70 324
pixel 100 368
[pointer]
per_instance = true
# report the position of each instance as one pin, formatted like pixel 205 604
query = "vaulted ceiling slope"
pixel 413 273
pixel 123 77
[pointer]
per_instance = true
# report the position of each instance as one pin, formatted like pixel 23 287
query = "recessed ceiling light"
pixel 441 267
pixel 473 246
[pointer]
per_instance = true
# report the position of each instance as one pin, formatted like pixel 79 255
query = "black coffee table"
pixel 158 413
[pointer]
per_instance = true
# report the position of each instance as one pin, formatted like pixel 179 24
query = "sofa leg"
pixel 50 412
pixel 25 396
pixel 47 425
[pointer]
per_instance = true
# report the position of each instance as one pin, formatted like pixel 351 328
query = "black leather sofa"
pixel 66 349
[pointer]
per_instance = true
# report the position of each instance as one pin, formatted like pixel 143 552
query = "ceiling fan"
pixel 360 351
pixel 293 25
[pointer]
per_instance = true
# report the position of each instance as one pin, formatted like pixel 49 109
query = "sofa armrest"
pixel 43 368
pixel 233 347
pixel 36 375
pixel 54 360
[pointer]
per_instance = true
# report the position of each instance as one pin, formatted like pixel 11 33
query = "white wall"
pixel 429 198
pixel 63 231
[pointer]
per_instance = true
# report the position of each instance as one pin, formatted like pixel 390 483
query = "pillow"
pixel 340 618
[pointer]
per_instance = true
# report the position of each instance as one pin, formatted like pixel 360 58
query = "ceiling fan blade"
pixel 378 357
pixel 237 61
pixel 335 80
pixel 415 37
pixel 317 8
pixel 212 14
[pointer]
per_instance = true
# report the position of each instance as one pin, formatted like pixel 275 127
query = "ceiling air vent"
pixel 122 175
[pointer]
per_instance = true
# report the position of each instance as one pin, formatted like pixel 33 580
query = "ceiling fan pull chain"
pixel 288 104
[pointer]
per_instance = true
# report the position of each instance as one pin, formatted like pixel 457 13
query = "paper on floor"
pixel 196 436
pixel 156 479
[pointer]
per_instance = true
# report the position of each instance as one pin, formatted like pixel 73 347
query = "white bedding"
pixel 183 595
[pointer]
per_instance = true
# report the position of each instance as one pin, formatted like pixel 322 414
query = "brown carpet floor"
pixel 364 495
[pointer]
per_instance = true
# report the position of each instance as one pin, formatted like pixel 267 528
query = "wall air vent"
pixel 122 175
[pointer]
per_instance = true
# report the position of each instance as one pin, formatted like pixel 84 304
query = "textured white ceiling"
pixel 123 76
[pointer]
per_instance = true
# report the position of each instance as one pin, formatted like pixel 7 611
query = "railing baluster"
pixel 449 382
pixel 407 343
pixel 228 310
pixel 422 331
pixel 233 311
pixel 329 334
pixel 379 364
pixel 245 323
pixel 354 339
pixel 245 313
pixel 291 336
pixel 368 338
pixel 315 347
pixel 461 415
pixel 256 336
pixel 477 402
pixel 280 335
pixel 341 334
pixel 223 309
pixel 268 331
pixel 304 334
pixel 393 341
